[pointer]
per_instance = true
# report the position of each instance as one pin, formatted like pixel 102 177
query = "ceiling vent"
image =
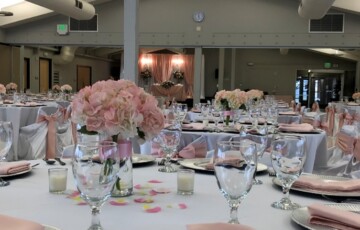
pixel 330 23
pixel 90 25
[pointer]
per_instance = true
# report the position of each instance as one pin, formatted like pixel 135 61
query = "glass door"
pixel 302 88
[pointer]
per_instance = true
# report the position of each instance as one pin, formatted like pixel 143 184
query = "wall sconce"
pixel 146 62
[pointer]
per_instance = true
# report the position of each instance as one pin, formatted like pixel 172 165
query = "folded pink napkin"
pixel 217 226
pixel 13 223
pixel 288 113
pixel 327 185
pixel 303 127
pixel 328 216
pixel 14 167
pixel 195 126
pixel 196 149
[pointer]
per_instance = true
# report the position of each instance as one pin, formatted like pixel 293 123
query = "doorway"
pixel 83 76
pixel 45 75
pixel 323 86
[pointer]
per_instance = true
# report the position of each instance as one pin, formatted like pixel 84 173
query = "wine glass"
pixel 169 139
pixel 235 165
pixel 95 166
pixel 287 157
pixel 6 139
pixel 181 111
pixel 260 139
pixel 216 114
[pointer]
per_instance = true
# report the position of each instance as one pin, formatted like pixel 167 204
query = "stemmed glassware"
pixel 169 139
pixel 235 165
pixel 287 157
pixel 180 111
pixel 6 139
pixel 216 115
pixel 260 139
pixel 95 166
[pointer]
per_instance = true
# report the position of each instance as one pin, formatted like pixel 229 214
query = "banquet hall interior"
pixel 303 56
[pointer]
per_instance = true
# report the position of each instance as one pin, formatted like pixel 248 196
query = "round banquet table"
pixel 27 197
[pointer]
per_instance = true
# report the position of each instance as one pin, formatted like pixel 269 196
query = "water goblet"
pixel 235 165
pixel 181 111
pixel 6 139
pixel 95 166
pixel 287 157
pixel 216 115
pixel 169 139
pixel 260 139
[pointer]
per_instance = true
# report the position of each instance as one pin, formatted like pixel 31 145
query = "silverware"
pixel 32 166
pixel 60 161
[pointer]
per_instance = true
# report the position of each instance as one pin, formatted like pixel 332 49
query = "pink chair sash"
pixel 315 107
pixel 328 126
pixel 293 106
pixel 348 144
pixel 348 119
pixel 51 134
pixel 298 107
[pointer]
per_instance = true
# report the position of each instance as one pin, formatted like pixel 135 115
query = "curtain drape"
pixel 162 67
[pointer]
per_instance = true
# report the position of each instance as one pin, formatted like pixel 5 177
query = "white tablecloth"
pixel 28 197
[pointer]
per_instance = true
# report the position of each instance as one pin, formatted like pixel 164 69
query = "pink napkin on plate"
pixel 303 127
pixel 217 226
pixel 196 149
pixel 327 185
pixel 14 167
pixel 8 222
pixel 327 216
pixel 195 126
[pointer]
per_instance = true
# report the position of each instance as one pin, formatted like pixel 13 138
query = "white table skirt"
pixel 28 197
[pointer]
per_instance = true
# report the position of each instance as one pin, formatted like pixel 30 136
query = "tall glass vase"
pixel 228 117
pixel 124 184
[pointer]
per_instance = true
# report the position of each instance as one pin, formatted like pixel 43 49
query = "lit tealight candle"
pixel 57 180
pixel 185 181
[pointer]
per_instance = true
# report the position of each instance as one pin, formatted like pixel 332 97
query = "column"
pixel 197 74
pixel 21 70
pixel 131 44
pixel 233 63
pixel 221 68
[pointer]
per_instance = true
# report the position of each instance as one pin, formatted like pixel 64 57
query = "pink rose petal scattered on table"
pixel 81 203
pixel 152 193
pixel 119 202
pixel 154 181
pixel 73 194
pixel 149 209
pixel 146 186
pixel 144 200
pixel 162 190
pixel 179 206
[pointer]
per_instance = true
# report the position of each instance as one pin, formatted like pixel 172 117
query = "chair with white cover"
pixel 38 140
pixel 64 130
pixel 341 158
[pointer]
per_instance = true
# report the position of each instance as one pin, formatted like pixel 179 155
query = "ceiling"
pixel 25 12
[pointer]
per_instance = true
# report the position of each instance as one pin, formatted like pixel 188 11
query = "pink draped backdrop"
pixel 162 67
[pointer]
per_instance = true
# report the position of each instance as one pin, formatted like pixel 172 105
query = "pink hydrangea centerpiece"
pixel 255 94
pixel 66 88
pixel 2 89
pixel 56 88
pixel 356 95
pixel 117 108
pixel 229 100
pixel 11 86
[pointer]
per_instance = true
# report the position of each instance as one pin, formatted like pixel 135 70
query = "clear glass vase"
pixel 124 184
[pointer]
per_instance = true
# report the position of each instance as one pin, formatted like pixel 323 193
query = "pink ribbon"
pixel 124 148
pixel 51 134
pixel 228 113
pixel 347 119
pixel 348 144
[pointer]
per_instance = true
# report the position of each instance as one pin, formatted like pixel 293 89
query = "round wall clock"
pixel 198 16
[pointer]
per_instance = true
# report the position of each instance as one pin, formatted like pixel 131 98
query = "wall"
pixel 228 23
pixel 271 71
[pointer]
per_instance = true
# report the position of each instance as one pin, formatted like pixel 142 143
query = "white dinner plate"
pixel 301 216
pixel 200 163
pixel 16 174
pixel 142 159
pixel 48 227
pixel 321 192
